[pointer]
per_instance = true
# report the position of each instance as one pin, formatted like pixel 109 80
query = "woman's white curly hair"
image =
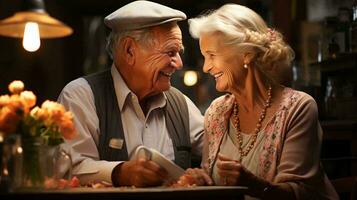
pixel 243 28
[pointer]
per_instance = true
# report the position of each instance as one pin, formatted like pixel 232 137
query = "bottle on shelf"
pixel 333 48
pixel 353 28
pixel 330 98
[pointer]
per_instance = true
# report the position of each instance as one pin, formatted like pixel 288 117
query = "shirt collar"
pixel 121 89
pixel 123 92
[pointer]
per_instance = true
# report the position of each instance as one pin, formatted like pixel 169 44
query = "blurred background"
pixel 323 34
pixel 60 60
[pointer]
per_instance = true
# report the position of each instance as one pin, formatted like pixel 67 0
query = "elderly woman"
pixel 261 134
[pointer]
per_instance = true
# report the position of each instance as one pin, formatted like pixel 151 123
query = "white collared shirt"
pixel 149 130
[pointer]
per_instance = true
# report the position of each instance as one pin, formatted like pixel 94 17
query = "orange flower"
pixel 29 98
pixel 54 112
pixel 9 119
pixel 16 87
pixel 4 100
pixel 12 110
pixel 18 104
pixel 51 121
pixel 38 113
pixel 67 129
pixel 66 126
pixel 55 116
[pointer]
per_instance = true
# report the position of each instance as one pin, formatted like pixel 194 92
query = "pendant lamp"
pixel 33 23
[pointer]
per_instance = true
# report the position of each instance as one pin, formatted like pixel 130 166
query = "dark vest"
pixel 110 123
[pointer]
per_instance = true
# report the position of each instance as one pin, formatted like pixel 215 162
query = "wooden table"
pixel 196 193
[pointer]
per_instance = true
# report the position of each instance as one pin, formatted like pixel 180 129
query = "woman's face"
pixel 222 62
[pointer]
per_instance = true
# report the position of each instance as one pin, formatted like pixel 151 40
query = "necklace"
pixel 245 152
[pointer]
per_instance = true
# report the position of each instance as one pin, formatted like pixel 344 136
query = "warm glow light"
pixel 190 78
pixel 5 172
pixel 31 41
pixel 1 137
pixel 19 150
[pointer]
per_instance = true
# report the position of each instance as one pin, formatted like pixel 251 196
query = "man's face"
pixel 156 63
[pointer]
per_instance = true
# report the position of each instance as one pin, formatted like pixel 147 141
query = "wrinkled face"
pixel 155 64
pixel 222 61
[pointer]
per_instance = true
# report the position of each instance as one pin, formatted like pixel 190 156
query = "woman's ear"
pixel 129 46
pixel 248 58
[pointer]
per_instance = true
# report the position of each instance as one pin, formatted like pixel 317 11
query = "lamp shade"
pixel 49 27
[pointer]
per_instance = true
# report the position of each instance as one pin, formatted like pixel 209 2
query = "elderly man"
pixel 133 103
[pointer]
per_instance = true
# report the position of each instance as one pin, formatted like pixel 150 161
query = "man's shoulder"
pixel 76 90
pixel 104 74
pixel 77 85
pixel 179 95
pixel 175 93
pixel 174 90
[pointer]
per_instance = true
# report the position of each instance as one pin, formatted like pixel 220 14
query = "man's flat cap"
pixel 142 14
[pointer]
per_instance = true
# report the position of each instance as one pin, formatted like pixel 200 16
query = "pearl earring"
pixel 245 66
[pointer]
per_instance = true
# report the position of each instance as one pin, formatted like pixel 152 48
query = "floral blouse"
pixel 291 151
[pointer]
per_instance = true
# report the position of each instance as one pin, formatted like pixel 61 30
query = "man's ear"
pixel 129 46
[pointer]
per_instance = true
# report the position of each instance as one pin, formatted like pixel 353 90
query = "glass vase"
pixel 31 167
pixel 41 166
pixel 5 153
pixel 56 167
pixel 9 163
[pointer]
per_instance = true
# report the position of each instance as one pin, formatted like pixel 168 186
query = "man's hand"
pixel 140 173
pixel 200 176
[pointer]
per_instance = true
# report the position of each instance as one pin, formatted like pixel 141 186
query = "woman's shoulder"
pixel 221 104
pixel 223 100
pixel 294 100
pixel 292 96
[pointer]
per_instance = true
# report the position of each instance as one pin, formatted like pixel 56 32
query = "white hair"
pixel 143 36
pixel 243 28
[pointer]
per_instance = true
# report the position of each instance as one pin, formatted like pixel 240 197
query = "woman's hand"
pixel 232 172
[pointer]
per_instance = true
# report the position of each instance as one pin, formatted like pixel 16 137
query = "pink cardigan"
pixel 291 151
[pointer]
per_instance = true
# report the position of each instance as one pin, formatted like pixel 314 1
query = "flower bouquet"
pixel 47 126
